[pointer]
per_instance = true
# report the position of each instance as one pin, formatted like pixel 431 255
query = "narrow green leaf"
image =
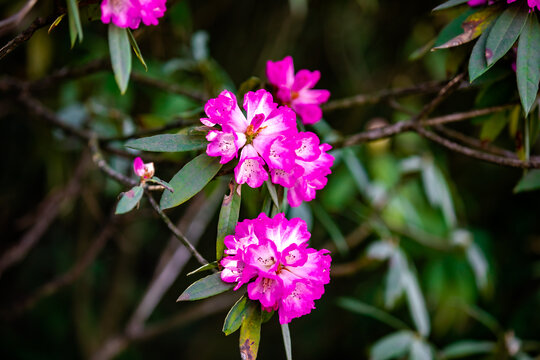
pixel 449 4
pixel 287 340
pixel 417 304
pixel 210 266
pixel 392 346
pixel 479 265
pixel 395 283
pixel 235 316
pixel 492 127
pixel 207 286
pixel 168 143
pixel 75 27
pixel 453 29
pixel 467 348
pixel 273 192
pixel 371 311
pixel 477 61
pixel 228 218
pixel 136 49
pixel 420 350
pixel 529 182
pixel 129 200
pixel 120 55
pixel 505 32
pixel 438 191
pixel 156 180
pixel 484 318
pixel 330 226
pixel 191 179
pixel 358 172
pixel 250 332
pixel 56 23
pixel 528 63
pixel 473 26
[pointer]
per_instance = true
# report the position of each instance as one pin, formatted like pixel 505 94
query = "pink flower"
pixel 252 134
pixel 312 164
pixel 272 256
pixel 129 13
pixel 296 90
pixel 145 171
pixel 532 3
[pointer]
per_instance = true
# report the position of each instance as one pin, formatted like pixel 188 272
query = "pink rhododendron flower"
pixel 129 13
pixel 252 134
pixel 296 90
pixel 312 164
pixel 272 256
pixel 145 171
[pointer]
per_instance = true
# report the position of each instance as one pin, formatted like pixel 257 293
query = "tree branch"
pixel 179 235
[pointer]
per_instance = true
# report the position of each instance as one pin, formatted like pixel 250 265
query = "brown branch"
pixel 73 273
pixel 25 35
pixel 47 214
pixel 179 235
pixel 496 159
pixel 446 90
pixel 362 99
pixel 14 20
pixel 168 87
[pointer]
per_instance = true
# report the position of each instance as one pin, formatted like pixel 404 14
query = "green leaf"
pixel 449 4
pixel 438 191
pixel 120 55
pixel 528 63
pixel 467 348
pixel 492 127
pixel 453 29
pixel 207 286
pixel 210 266
pixel 479 265
pixel 168 143
pixel 287 340
pixel 417 305
pixel 75 27
pixel 273 192
pixel 250 331
pixel 529 182
pixel 371 311
pixel 380 250
pixel 56 23
pixel 392 346
pixel 358 171
pixel 156 180
pixel 235 316
pixel 473 26
pixel 420 350
pixel 136 49
pixel 505 32
pixel 332 228
pixel 228 218
pixel 191 179
pixel 251 84
pixel 477 61
pixel 395 283
pixel 129 200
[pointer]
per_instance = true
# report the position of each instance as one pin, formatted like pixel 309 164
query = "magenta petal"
pixel 138 166
pixel 265 289
pixel 151 10
pixel 305 79
pixel 259 102
pixel 294 255
pixel 122 13
pixel 250 169
pixel 307 146
pixel 310 113
pixel 280 73
pixel 299 301
pixel 222 144
pixel 263 257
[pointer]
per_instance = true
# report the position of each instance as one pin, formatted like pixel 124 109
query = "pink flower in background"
pixel 129 13
pixel 532 3
pixel 287 275
pixel 312 164
pixel 296 90
pixel 145 171
pixel 255 134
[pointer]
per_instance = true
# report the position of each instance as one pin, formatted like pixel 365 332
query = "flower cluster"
pixel 129 13
pixel 296 90
pixel 532 3
pixel 268 141
pixel 288 276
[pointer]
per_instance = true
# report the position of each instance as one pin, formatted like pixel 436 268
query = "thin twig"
pixel 179 235
pixel 15 19
pixel 24 36
pixel 362 99
pixel 44 219
pixel 73 273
